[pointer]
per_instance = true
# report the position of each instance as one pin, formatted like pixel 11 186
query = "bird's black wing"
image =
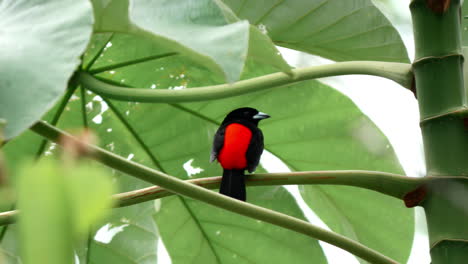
pixel 255 150
pixel 218 143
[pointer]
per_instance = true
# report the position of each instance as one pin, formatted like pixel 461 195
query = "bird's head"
pixel 246 114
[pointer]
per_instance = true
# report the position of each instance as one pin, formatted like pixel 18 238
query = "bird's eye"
pixel 246 113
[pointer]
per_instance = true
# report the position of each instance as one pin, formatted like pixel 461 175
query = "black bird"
pixel 238 145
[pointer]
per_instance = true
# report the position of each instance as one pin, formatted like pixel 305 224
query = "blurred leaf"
pixel 333 29
pixel 89 190
pixel 62 205
pixel 46 219
pixel 51 46
pixel 17 151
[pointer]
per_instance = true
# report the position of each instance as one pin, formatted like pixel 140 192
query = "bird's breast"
pixel 236 142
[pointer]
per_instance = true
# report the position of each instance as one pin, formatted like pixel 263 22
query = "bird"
pixel 238 145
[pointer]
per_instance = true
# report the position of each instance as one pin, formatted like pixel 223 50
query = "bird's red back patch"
pixel 236 142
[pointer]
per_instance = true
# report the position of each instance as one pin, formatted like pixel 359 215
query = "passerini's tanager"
pixel 238 145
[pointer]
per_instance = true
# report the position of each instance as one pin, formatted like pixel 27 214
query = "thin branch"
pixel 196 192
pixel 387 183
pixel 398 72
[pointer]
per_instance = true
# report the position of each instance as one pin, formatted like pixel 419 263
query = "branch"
pixel 198 193
pixel 386 183
pixel 398 72
pixel 390 184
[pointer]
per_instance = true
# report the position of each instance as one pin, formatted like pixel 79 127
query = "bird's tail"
pixel 233 184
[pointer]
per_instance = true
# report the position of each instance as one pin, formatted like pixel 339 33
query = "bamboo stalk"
pixel 438 70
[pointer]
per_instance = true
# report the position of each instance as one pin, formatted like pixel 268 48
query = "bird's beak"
pixel 260 116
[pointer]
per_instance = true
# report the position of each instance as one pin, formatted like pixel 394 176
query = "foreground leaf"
pixel 37 62
pixel 58 205
pixel 89 191
pixel 45 220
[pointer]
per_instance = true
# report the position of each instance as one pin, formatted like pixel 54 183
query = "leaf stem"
pixel 196 192
pixel 398 72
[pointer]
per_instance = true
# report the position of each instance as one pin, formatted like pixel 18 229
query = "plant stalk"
pixel 398 72
pixel 438 70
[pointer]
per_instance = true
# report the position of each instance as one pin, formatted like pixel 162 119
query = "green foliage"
pixel 36 46
pixel 222 43
pixel 58 206
pixel 178 45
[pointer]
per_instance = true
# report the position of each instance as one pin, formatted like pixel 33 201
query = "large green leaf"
pixel 313 127
pixel 199 29
pixel 334 29
pixel 39 54
pixel 163 136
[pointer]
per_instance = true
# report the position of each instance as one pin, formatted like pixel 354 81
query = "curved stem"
pixel 398 72
pixel 196 192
